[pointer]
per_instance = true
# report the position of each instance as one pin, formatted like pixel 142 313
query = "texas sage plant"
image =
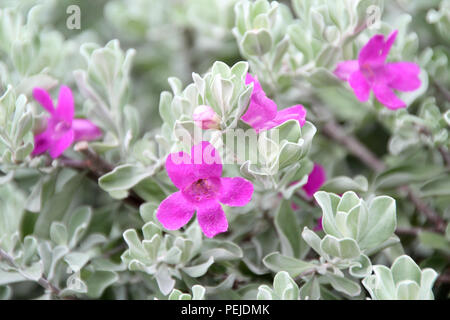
pixel 224 149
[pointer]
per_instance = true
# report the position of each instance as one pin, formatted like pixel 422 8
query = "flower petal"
pixel 256 85
pixel 235 192
pixel 41 142
pixel 316 179
pixel 180 170
pixel 359 85
pixel 376 50
pixel 44 99
pixel 260 110
pixel 212 219
pixel 85 130
pixel 175 211
pixel 386 96
pixel 65 109
pixel 403 76
pixel 57 147
pixel 206 161
pixel 297 112
pixel 345 68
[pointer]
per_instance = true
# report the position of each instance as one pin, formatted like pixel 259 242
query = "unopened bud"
pixel 206 118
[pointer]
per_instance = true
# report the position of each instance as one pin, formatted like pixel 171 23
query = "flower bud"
pixel 206 118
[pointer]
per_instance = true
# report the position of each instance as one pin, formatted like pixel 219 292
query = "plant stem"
pixel 335 132
pixel 42 281
pixel 96 167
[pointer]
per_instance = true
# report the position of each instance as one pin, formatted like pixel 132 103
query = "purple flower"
pixel 315 181
pixel 62 129
pixel 198 177
pixel 371 72
pixel 206 118
pixel 319 226
pixel 262 112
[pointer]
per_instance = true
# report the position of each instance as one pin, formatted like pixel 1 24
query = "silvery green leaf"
pixel 382 222
pixel 404 268
pixel 173 256
pixel 256 42
pixel 407 290
pixel 33 272
pixel 439 186
pixel 164 280
pixel 343 248
pixel 310 290
pixel 200 269
pixel 285 287
pixel 277 262
pixel 78 224
pixel 288 230
pixel 328 202
pixel 58 233
pixel 7 277
pixel 123 177
pixel 221 250
pixel 341 184
pixel 264 293
pixel 361 267
pixel 434 240
pixel 178 295
pixel 198 292
pixel 344 285
pixel 55 207
pixel 98 281
pixel 312 239
pixel 5 292
pixel 76 260
pixel 426 284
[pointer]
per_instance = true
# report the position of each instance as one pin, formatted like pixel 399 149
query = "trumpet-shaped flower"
pixel 316 179
pixel 372 72
pixel 262 112
pixel 202 189
pixel 62 129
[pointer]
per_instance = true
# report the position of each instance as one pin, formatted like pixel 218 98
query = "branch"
pixel 335 132
pixel 96 167
pixel 42 281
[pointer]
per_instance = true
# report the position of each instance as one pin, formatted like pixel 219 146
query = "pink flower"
pixel 371 72
pixel 62 129
pixel 201 189
pixel 206 118
pixel 315 181
pixel 262 112
pixel 319 226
